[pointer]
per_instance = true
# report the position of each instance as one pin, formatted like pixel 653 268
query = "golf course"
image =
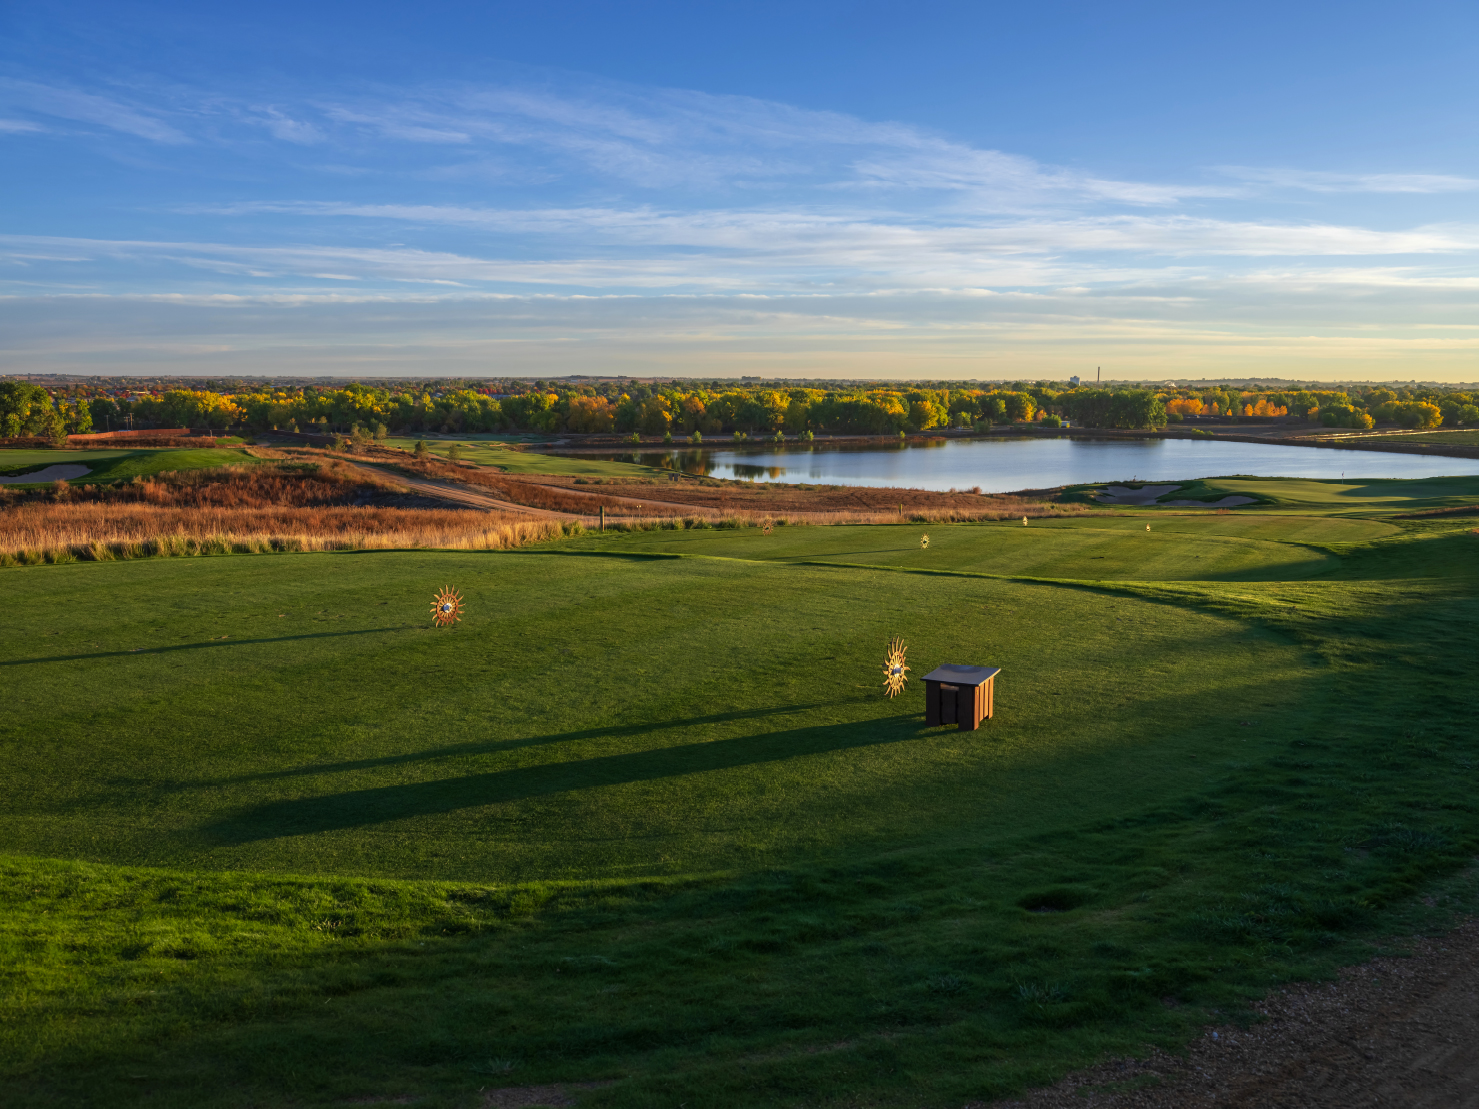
pixel 641 829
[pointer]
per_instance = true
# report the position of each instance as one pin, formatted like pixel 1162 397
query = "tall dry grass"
pixel 67 532
pixel 534 494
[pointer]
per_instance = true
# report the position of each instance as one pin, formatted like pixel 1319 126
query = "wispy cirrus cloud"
pixel 1323 182
pixel 84 107
pixel 590 212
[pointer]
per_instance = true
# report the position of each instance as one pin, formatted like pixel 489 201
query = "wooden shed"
pixel 960 695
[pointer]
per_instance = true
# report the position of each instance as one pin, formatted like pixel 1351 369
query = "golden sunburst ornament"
pixel 895 672
pixel 924 542
pixel 446 607
pixel 766 528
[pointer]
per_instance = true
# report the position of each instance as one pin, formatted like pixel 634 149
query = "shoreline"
pixel 605 445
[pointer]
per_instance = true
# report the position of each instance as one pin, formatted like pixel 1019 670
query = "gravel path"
pixel 1392 1032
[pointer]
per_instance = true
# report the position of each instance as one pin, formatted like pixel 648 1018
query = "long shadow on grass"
pixel 489 746
pixel 309 815
pixel 198 646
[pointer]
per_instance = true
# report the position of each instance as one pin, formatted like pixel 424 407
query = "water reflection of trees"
pixel 753 473
pixel 696 462
pixel 700 462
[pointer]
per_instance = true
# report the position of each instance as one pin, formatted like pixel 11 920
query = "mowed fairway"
pixel 1173 549
pixel 643 820
pixel 591 717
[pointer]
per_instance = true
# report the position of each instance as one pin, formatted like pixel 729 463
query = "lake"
pixel 1004 465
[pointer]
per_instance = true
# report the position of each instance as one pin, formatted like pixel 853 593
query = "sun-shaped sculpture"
pixel 924 542
pixel 446 607
pixel 766 528
pixel 895 673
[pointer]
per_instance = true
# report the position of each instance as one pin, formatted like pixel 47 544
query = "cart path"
pixel 1391 1032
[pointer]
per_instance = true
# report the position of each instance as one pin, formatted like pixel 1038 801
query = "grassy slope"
pixel 1465 437
pixel 522 462
pixel 119 465
pixel 1216 784
pixel 1175 549
pixel 1356 496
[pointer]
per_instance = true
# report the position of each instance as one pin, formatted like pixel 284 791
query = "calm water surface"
pixel 1003 465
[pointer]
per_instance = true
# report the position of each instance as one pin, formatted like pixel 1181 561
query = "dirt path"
pixel 471 496
pixel 638 502
pixel 1393 1032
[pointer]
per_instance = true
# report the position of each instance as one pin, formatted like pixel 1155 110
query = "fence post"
pixel 603 517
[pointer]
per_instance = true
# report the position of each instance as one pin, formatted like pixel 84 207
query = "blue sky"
pixel 886 190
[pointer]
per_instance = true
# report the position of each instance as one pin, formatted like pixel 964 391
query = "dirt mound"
pixel 1395 1031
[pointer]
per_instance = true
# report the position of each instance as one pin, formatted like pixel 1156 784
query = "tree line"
pixel 680 408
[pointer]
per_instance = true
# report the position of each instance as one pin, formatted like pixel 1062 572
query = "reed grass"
pixel 35 533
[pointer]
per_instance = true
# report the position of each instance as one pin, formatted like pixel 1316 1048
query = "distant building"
pixel 1073 380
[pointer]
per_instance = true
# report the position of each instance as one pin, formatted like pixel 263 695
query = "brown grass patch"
pixel 246 486
pixel 62 532
pixel 535 494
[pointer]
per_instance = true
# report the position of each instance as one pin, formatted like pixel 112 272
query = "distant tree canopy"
pixel 719 408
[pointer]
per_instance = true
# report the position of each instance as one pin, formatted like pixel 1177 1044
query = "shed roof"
pixel 960 674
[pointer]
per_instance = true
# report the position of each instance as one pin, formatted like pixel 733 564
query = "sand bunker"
pixel 1148 494
pixel 1123 494
pixel 52 473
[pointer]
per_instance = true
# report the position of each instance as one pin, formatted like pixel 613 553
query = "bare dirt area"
pixel 469 496
pixel 771 498
pixel 678 494
pixel 1391 1032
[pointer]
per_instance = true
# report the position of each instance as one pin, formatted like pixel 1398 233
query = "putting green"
pixel 120 465
pixel 1350 495
pixel 1077 550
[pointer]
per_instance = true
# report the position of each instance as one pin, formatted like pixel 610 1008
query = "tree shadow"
pixel 211 643
pixel 492 745
pixel 360 808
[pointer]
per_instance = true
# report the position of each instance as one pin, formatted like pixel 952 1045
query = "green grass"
pixel 1209 548
pixel 106 466
pixel 1465 437
pixel 487 453
pixel 1353 496
pixel 646 820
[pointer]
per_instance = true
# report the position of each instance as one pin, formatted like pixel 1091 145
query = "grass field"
pixel 645 821
pixel 489 453
pixel 107 466
pixel 1327 496
pixel 1458 437
pixel 1186 548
